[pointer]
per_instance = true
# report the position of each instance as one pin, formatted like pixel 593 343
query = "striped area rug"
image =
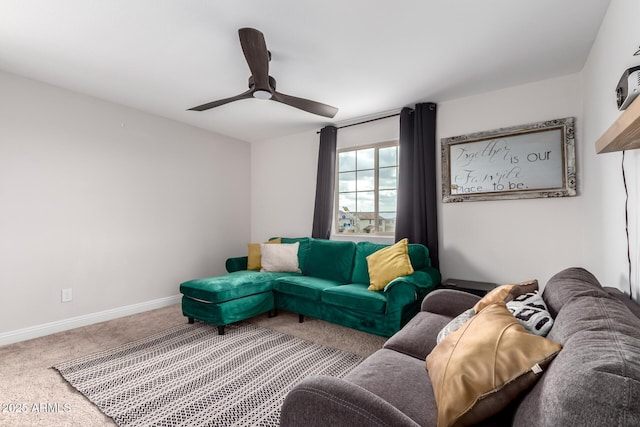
pixel 191 376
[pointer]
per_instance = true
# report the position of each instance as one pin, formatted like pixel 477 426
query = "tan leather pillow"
pixel 254 260
pixel 477 370
pixel 506 293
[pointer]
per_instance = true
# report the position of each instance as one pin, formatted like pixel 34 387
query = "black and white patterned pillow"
pixel 532 313
pixel 455 324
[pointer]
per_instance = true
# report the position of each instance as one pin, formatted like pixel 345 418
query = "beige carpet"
pixel 28 384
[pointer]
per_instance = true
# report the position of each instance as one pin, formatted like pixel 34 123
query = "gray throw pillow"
pixel 532 313
pixel 455 324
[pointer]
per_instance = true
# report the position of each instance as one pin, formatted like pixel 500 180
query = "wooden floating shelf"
pixel 624 133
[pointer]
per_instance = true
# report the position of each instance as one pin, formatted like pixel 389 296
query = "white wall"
pixel 284 172
pixel 513 240
pixel 500 241
pixel 611 54
pixel 283 182
pixel 119 205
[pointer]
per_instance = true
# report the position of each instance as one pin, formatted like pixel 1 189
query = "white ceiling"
pixel 364 57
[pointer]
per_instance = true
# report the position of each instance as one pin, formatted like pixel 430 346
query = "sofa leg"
pixel 273 313
pixel 300 318
pixel 191 321
pixel 221 330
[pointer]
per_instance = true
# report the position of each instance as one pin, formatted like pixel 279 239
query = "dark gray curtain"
pixel 325 182
pixel 417 192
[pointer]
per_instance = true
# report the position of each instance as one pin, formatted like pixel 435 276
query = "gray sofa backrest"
pixel 595 379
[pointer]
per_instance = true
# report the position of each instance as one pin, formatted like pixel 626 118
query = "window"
pixel 367 189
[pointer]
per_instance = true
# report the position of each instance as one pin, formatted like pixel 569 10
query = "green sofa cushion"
pixel 303 249
pixel 356 296
pixel 330 259
pixel 230 286
pixel 419 255
pixel 304 286
pixel 228 311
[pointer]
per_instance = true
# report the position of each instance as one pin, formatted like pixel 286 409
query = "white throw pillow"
pixel 532 313
pixel 280 257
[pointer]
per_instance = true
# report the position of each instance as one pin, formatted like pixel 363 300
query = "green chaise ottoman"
pixel 230 298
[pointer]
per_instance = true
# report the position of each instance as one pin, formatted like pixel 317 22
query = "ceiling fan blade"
pixel 306 105
pixel 245 95
pixel 257 56
pixel 263 86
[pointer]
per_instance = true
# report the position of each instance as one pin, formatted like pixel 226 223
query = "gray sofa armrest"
pixel 328 401
pixel 449 302
pixel 418 337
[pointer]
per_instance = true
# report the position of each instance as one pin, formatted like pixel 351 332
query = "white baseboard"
pixel 87 319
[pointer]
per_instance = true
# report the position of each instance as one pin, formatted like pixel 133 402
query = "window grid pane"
pixel 388 178
pixel 387 200
pixel 366 159
pixel 346 181
pixel 367 189
pixel 347 161
pixel 388 156
pixel 366 180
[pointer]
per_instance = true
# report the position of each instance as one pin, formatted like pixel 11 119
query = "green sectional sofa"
pixel 332 286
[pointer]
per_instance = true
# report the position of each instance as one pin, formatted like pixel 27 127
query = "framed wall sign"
pixel 527 161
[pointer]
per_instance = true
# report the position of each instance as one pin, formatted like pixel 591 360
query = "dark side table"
pixel 476 288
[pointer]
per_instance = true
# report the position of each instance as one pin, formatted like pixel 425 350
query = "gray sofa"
pixel 593 381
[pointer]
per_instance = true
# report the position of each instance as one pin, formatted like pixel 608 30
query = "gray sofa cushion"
pixel 568 284
pixel 418 337
pixel 329 401
pixel 448 302
pixel 631 305
pixel 400 380
pixel 597 370
pixel 404 383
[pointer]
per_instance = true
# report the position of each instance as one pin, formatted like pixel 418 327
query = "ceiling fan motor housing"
pixel 262 93
pixel 272 84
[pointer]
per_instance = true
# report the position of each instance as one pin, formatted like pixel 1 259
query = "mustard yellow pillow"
pixel 387 264
pixel 254 260
pixel 506 293
pixel 477 370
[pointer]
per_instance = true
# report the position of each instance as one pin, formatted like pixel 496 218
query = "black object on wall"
pixel 417 190
pixel 323 211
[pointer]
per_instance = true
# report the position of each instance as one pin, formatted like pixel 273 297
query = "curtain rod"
pixel 366 121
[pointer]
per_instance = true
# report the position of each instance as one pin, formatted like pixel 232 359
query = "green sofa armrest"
pixel 236 264
pixel 400 294
pixel 425 279
pixel 408 289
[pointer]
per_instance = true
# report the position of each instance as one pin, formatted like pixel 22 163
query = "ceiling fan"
pixel 261 84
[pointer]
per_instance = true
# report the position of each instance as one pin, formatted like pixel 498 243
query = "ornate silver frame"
pixel 475 147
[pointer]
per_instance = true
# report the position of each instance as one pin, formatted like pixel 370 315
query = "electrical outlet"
pixel 67 295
